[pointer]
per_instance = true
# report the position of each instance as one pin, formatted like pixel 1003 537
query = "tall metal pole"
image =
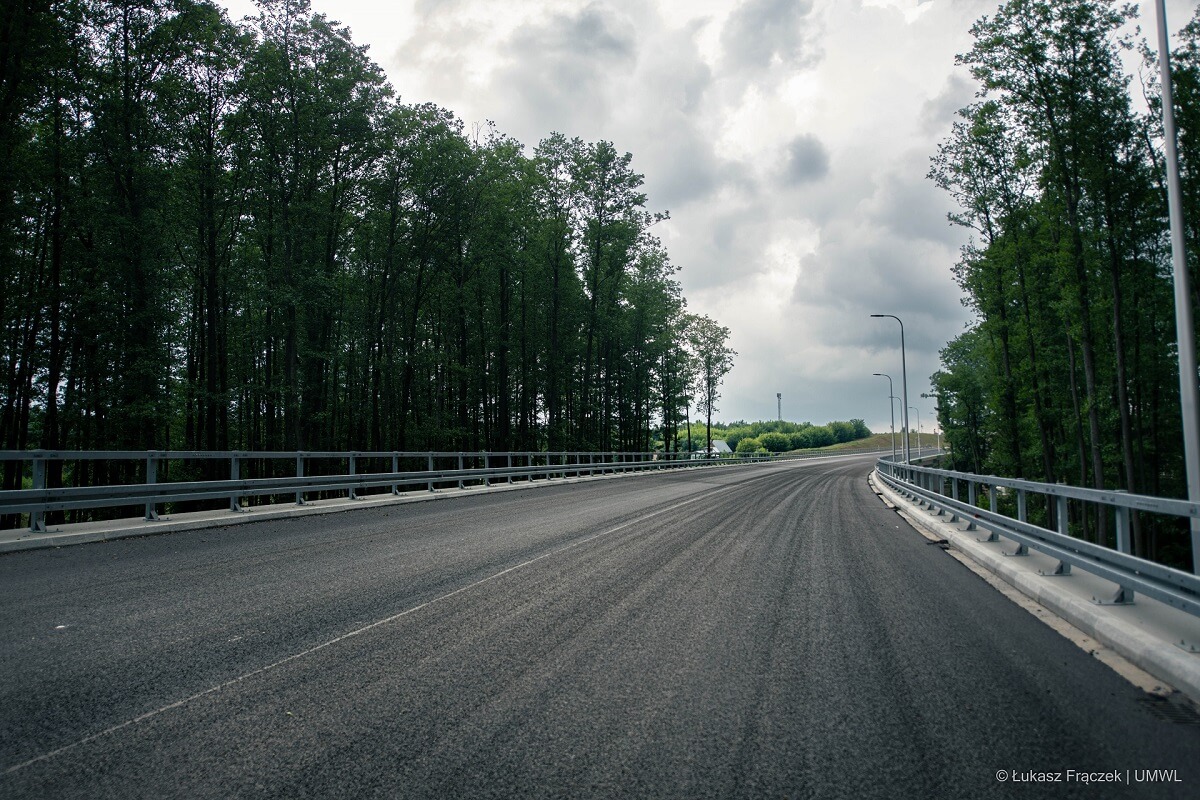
pixel 891 408
pixel 1189 392
pixel 903 384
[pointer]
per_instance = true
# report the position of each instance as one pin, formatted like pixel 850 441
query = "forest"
pixel 218 235
pixel 1070 373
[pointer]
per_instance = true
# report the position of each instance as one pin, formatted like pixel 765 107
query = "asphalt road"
pixel 770 631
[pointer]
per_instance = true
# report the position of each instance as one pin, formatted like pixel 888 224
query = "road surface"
pixel 769 631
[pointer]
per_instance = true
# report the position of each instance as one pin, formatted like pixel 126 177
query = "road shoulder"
pixel 1146 642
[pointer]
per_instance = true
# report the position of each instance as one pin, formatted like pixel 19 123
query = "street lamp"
pixel 891 408
pixel 1189 394
pixel 903 383
pixel 914 408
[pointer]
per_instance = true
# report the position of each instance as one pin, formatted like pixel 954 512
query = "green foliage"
pixel 775 442
pixel 842 431
pixel 1070 372
pixel 219 235
pixel 749 446
pixel 795 435
pixel 820 436
pixel 713 359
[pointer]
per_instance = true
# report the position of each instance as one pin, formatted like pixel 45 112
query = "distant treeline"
pixel 233 236
pixel 1070 373
pixel 778 436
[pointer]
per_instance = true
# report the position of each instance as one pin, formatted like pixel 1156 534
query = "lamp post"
pixel 891 408
pixel 903 384
pixel 914 408
pixel 1189 394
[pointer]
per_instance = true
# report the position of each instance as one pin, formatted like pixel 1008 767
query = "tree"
pixel 749 447
pixel 231 235
pixel 775 442
pixel 714 359
pixel 1069 371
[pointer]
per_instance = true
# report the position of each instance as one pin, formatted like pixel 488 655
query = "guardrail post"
pixel 971 500
pixel 37 519
pixel 151 477
pixel 1122 513
pixel 429 461
pixel 486 481
pixel 994 508
pixel 299 474
pixel 395 469
pixel 510 467
pixel 351 495
pixel 1064 518
pixel 235 474
pixel 460 467
pixel 1022 508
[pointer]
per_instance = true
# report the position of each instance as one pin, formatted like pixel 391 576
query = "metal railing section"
pixel 1131 574
pixel 440 469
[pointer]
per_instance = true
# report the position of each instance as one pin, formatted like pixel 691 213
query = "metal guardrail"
pixel 1130 573
pixel 480 468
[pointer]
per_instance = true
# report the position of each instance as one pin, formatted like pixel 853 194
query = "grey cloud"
pixel 596 32
pixel 723 243
pixel 862 267
pixel 685 170
pixel 807 160
pixel 432 8
pixel 667 111
pixel 558 73
pixel 759 31
pixel 939 112
pixel 912 207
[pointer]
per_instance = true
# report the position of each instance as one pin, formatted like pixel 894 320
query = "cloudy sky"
pixel 789 139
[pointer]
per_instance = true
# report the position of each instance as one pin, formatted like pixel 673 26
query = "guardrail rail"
pixel 1131 574
pixel 361 472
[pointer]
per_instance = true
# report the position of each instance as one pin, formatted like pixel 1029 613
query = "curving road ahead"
pixel 771 631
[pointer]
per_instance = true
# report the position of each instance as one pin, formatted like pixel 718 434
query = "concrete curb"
pixel 1147 650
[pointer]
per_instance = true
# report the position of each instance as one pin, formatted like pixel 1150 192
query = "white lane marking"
pixel 707 495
